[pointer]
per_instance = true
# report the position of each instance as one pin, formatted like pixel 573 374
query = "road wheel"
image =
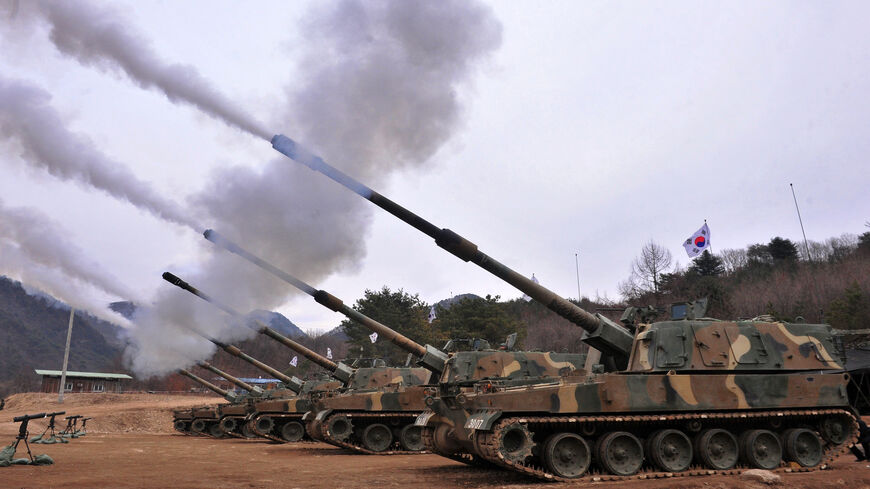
pixel 567 455
pixel 670 450
pixel 411 438
pixel 377 437
pixel 761 449
pixel 292 431
pixel 717 449
pixel 803 446
pixel 620 453
pixel 265 424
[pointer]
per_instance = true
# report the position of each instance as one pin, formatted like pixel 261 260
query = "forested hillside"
pixel 33 332
pixel 829 284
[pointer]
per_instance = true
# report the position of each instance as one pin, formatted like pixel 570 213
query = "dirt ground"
pixel 132 444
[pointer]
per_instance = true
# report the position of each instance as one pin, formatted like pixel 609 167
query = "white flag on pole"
pixel 329 353
pixel 699 242
pixel 432 316
pixel 373 337
pixel 535 280
pixel 294 361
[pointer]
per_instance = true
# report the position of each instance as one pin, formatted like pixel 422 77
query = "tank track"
pixel 409 417
pixel 290 416
pixel 487 444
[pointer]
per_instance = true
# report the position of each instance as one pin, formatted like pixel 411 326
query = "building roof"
pixel 87 375
pixel 259 380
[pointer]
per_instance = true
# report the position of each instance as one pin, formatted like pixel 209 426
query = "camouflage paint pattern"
pixel 717 346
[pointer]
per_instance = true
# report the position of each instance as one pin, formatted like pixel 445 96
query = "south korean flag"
pixel 329 353
pixel 699 242
pixel 373 337
pixel 295 361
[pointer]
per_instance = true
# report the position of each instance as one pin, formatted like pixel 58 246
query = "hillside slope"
pixel 33 334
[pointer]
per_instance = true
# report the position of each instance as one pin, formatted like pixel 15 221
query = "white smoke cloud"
pixel 30 124
pixel 42 241
pixel 97 35
pixel 75 291
pixel 380 94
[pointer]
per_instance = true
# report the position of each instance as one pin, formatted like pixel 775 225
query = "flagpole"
pixel 806 246
pixel 577 265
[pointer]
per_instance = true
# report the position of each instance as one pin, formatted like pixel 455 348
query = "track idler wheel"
pixel 265 424
pixel 515 442
pixel 761 449
pixel 411 438
pixel 228 425
pixel 292 431
pixel 339 427
pixel 620 453
pixel 377 437
pixel 803 446
pixel 670 450
pixel 717 449
pixel 835 429
pixel 567 455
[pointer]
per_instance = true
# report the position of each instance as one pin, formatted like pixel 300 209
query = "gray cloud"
pixel 29 123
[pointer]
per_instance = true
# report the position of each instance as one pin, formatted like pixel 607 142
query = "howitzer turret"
pixel 430 357
pixel 601 333
pixel 339 370
pixel 252 389
pixel 229 396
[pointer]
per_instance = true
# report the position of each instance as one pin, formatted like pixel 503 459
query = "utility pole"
pixel 577 265
pixel 72 313
pixel 806 246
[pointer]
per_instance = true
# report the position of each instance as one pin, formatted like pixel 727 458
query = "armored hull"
pixel 376 415
pixel 698 397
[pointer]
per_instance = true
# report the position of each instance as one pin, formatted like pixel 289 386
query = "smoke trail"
pixel 27 118
pixel 17 264
pixel 380 94
pixel 97 36
pixel 43 242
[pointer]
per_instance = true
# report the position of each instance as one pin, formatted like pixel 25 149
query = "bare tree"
pixel 733 259
pixel 647 269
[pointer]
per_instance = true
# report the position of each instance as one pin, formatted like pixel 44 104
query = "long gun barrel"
pixel 431 357
pixel 601 333
pixel 254 390
pixel 229 396
pixel 339 370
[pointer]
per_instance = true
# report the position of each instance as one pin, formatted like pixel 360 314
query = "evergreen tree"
pixel 479 318
pixel 397 310
pixel 707 265
pixel 782 250
pixel 852 310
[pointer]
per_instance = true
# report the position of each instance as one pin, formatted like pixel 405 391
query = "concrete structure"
pixel 82 381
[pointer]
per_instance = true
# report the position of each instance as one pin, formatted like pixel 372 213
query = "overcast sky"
pixel 591 128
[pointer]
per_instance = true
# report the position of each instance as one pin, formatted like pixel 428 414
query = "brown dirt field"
pixel 123 453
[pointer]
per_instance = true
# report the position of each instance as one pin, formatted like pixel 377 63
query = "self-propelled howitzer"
pixel 455 373
pixel 202 420
pixel 716 394
pixel 360 382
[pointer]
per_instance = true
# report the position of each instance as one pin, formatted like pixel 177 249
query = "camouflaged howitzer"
pixel 361 419
pixel 689 396
pixel 362 383
pixel 231 417
pixel 202 420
